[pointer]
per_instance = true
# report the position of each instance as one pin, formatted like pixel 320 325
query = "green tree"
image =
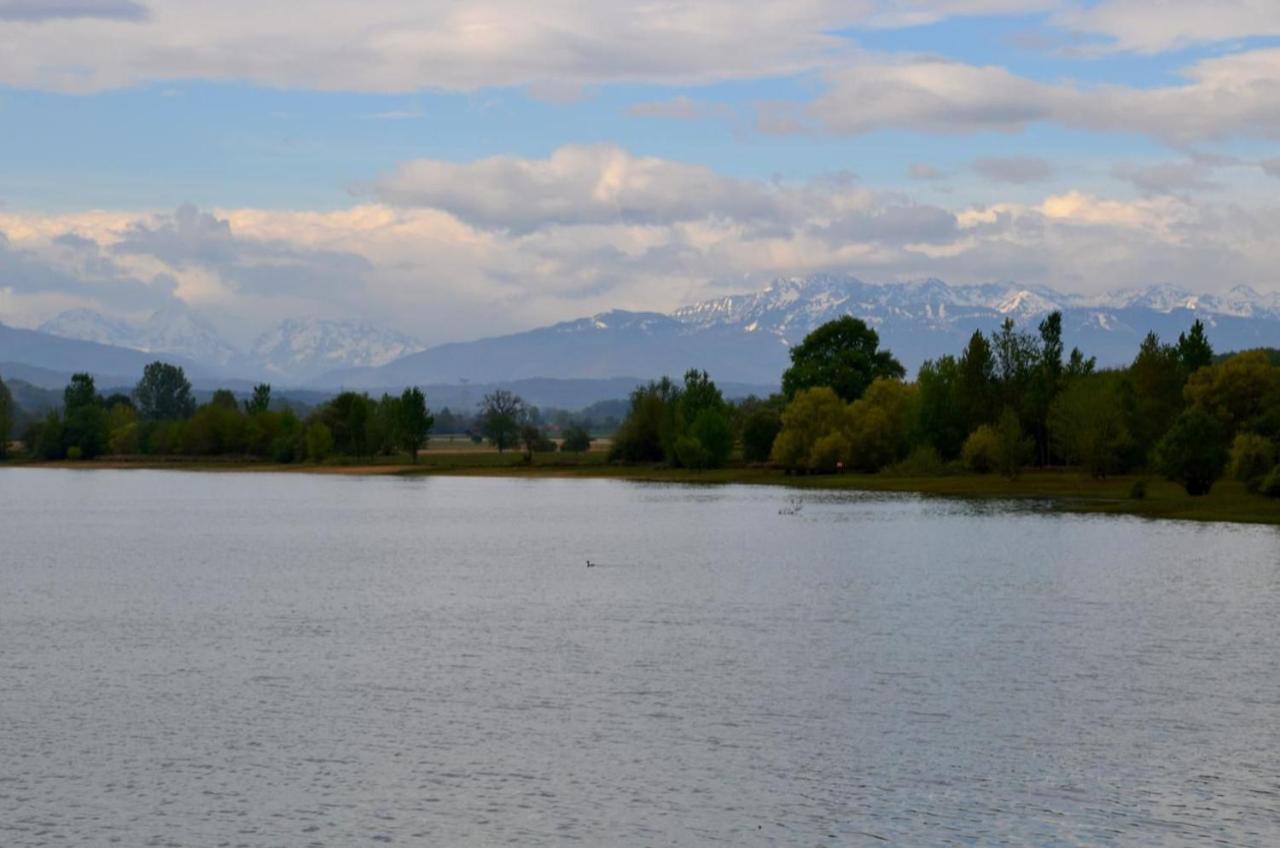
pixel 700 394
pixel 1016 355
pixel 117 399
pixel 7 411
pixel 1236 391
pixel 217 428
pixel 645 433
pixel 45 438
pixel 712 431
pixel 760 428
pixel 1078 366
pixel 319 441
pixel 981 450
pixel 123 435
pixel 347 418
pixel 942 422
pixel 534 440
pixel 1252 458
pixel 843 355
pixel 1013 447
pixel 1194 350
pixel 224 399
pixel 163 393
pixel 85 425
pixel 80 392
pixel 1088 428
pixel 877 425
pixel 689 453
pixel 413 423
pixel 502 414
pixel 813 431
pixel 575 439
pixel 976 389
pixel 1194 451
pixel 260 401
pixel 1154 393
pixel 1045 383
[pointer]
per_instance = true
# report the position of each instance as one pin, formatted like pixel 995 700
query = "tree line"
pixel 161 417
pixel 1010 399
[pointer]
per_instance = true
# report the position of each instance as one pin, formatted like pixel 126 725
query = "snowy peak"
pixel 87 325
pixel 174 330
pixel 184 331
pixel 793 306
pixel 618 321
pixel 293 350
pixel 300 348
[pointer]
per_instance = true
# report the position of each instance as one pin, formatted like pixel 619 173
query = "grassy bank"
pixel 1066 490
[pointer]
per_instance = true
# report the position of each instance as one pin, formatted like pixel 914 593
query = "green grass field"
pixel 1067 490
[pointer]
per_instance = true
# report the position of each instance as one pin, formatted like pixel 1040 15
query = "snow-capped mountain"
pixel 742 338
pixel 299 349
pixel 174 330
pixel 292 351
pixel 89 326
pixel 177 329
pixel 794 306
pixel 746 337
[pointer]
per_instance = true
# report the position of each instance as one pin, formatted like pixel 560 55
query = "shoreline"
pixel 1065 490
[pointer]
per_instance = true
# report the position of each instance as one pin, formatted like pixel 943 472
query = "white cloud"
pixel 596 184
pixel 554 47
pixel 498 245
pixel 1144 26
pixel 1167 177
pixel 409 45
pixel 1227 96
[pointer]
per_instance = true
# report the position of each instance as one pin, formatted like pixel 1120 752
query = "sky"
pixel 454 170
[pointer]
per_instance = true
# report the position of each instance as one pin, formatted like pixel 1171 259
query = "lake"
pixel 291 659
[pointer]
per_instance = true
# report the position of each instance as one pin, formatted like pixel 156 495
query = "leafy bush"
pixel 319 442
pixel 690 453
pixel 1271 483
pixel 829 452
pixel 124 439
pixel 1013 449
pixel 924 461
pixel 980 450
pixel 74 453
pixel 1252 457
pixel 759 431
pixel 283 449
pixel 810 416
pixel 711 429
pixel 1194 452
pixel 576 439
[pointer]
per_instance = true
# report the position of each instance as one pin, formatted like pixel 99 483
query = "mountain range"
pixel 294 351
pixel 746 338
pixel 741 339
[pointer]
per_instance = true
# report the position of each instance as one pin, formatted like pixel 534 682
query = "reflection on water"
pixel 297 660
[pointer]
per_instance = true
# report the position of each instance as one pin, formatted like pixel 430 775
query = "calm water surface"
pixel 262 660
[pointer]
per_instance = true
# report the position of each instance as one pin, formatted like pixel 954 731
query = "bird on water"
pixel 590 564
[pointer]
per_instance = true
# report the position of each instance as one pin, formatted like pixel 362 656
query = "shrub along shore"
pixel 1178 433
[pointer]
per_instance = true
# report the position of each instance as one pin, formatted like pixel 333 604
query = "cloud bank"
pixel 454 250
